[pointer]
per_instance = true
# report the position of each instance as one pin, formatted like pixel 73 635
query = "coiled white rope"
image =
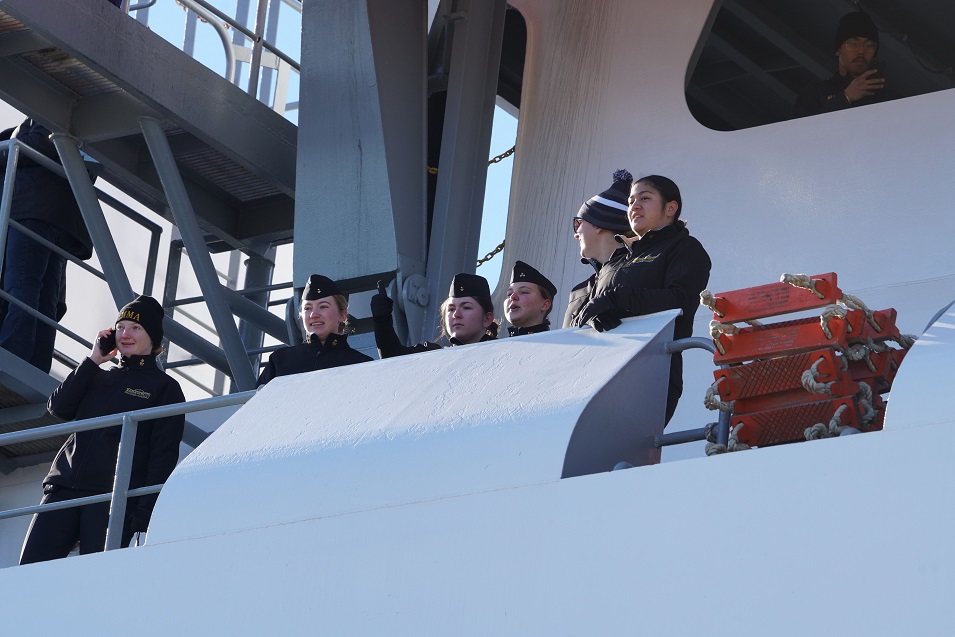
pixel 733 444
pixel 713 402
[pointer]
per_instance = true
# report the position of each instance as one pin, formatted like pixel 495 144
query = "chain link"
pixel 507 153
pixel 490 255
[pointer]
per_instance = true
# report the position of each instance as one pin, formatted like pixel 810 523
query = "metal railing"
pixel 13 149
pixel 255 55
pixel 124 460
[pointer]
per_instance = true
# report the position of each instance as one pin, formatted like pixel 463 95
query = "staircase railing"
pixel 124 462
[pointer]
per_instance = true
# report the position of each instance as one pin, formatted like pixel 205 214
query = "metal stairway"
pixel 88 70
pixel 169 132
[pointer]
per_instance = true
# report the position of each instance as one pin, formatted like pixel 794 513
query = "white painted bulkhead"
pixel 291 521
pixel 845 536
pixel 866 192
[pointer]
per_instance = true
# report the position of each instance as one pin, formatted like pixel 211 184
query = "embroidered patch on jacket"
pixel 139 393
pixel 646 259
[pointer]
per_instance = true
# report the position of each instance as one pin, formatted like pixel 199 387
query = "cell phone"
pixel 879 66
pixel 107 343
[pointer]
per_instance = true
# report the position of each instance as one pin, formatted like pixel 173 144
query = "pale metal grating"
pixel 10 398
pixel 9 24
pixel 70 72
pixel 212 165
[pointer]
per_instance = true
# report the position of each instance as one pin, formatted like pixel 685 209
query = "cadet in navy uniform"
pixel 661 268
pixel 596 225
pixel 324 316
pixel 86 463
pixel 467 316
pixel 530 298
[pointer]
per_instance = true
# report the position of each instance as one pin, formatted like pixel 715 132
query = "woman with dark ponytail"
pixel 660 268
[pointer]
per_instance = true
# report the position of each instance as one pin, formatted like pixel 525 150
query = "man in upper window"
pixel 858 82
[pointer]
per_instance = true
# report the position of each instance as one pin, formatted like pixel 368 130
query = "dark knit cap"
pixel 146 311
pixel 608 210
pixel 318 287
pixel 524 272
pixel 855 25
pixel 464 284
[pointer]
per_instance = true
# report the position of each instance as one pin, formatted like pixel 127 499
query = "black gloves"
pixel 604 322
pixel 597 313
pixel 381 305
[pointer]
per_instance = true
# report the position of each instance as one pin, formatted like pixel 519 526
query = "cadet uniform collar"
pixel 533 329
pixel 138 362
pixel 455 342
pixel 332 341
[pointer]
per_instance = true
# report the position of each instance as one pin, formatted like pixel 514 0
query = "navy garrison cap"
pixel 318 287
pixel 464 284
pixel 524 272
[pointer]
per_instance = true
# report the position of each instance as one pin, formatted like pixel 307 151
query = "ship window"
pixel 756 57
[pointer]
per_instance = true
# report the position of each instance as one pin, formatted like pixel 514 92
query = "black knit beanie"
pixel 855 25
pixel 608 210
pixel 146 311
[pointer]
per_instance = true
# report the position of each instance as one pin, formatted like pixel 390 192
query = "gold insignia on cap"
pixel 318 290
pixel 460 288
pixel 521 275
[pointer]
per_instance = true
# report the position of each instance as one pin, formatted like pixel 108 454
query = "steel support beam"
pixel 108 255
pixel 465 145
pixel 182 212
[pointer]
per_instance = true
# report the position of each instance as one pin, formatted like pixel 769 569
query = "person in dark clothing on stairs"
pixel 86 464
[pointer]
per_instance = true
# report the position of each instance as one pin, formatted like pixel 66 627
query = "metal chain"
pixel 507 153
pixel 490 255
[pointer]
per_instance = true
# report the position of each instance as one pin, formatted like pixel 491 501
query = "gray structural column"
pixel 465 145
pixel 361 138
pixel 92 212
pixel 108 255
pixel 258 274
pixel 212 290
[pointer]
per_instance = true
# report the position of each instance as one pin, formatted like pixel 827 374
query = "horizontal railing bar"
pixel 111 420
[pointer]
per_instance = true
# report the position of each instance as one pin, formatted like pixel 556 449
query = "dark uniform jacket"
pixel 310 356
pixel 829 95
pixel 533 329
pixel 40 194
pixel 580 293
pixel 87 460
pixel 390 345
pixel 666 269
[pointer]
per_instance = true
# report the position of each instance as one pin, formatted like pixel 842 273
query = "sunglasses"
pixel 577 221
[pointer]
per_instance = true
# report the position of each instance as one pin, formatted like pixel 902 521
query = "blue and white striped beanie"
pixel 608 210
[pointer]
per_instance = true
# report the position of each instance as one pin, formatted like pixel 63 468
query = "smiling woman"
pixel 324 316
pixel 86 463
